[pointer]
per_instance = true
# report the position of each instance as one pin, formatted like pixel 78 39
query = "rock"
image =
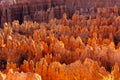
pixel 19 76
pixel 34 9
